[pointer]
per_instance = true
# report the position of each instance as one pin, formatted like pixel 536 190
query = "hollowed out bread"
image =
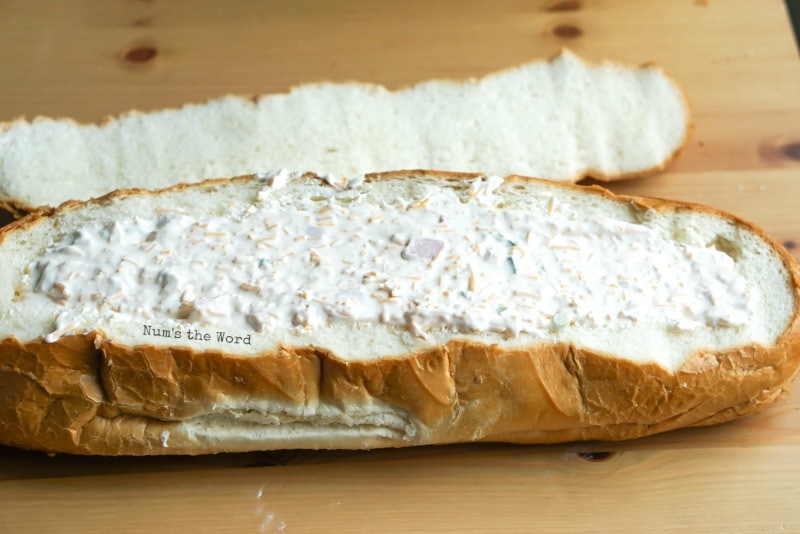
pixel 103 384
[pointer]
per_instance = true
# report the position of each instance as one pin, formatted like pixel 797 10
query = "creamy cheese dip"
pixel 422 263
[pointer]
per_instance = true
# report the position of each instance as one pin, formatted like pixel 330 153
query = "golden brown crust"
pixel 111 399
pixel 87 394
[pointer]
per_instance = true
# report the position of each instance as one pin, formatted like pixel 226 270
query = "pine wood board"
pixel 455 489
pixel 738 63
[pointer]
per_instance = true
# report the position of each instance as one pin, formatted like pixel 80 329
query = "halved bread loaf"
pixel 407 308
pixel 559 120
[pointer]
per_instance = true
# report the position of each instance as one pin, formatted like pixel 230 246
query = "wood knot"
pixel 567 31
pixel 778 150
pixel 596 456
pixel 140 54
pixel 789 245
pixel 791 151
pixel 143 22
pixel 564 5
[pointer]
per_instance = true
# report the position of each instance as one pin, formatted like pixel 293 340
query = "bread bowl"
pixel 85 370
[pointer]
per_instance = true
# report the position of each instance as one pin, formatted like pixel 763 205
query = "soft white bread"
pixel 559 120
pixel 91 361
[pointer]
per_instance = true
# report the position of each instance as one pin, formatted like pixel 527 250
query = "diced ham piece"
pixel 423 249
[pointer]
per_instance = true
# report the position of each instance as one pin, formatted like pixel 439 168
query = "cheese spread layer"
pixel 421 263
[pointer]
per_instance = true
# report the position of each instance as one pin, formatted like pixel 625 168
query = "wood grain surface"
pixel 737 61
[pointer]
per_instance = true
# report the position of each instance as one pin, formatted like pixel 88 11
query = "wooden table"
pixel 737 61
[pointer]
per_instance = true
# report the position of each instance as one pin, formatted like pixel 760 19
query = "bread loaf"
pixel 560 120
pixel 409 308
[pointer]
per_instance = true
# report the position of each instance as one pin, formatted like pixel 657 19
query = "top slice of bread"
pixel 562 120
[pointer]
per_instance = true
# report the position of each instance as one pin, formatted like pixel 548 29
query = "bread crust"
pixel 89 394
